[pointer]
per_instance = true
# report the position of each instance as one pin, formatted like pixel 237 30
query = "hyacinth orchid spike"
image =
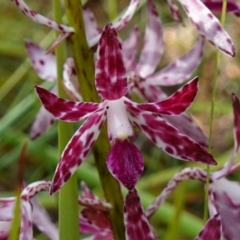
pixel 121 114
pixel 224 195
pixel 205 22
pixel 31 213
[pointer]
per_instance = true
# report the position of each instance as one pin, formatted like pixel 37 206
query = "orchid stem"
pixel 68 204
pixel 213 98
pixel 83 57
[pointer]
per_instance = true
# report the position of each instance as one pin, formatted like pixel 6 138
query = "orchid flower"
pixel 93 219
pixel 216 5
pixel 141 76
pixel 142 79
pixel 124 160
pixel 224 195
pixel 66 31
pixel 205 22
pixel 31 212
pixel 45 67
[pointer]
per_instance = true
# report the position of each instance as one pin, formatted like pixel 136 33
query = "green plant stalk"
pixel 83 57
pixel 213 97
pixel 68 194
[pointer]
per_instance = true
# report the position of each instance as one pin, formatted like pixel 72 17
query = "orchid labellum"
pixel 121 114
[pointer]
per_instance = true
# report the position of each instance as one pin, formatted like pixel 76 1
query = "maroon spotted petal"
pixel 111 82
pixel 169 139
pixel 44 64
pixel 64 109
pixel 153 43
pixel 208 25
pixel 129 47
pixel 236 111
pixel 26 228
pixel 236 132
pixel 184 174
pixel 42 220
pixel 77 149
pixel 121 22
pixel 181 69
pixel 211 230
pixel 226 200
pixel 216 5
pixel 38 18
pixel 136 223
pixel 90 24
pixel 173 105
pixel 186 125
pixel 125 162
pixel 70 80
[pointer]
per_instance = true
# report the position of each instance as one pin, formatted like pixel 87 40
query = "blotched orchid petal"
pixel 216 5
pixel 38 18
pixel 64 109
pixel 129 49
pixel 44 64
pixel 93 218
pixel 185 124
pixel 146 91
pixel 34 188
pixel 173 105
pixel 135 220
pixel 42 220
pixel 211 230
pixel 169 139
pixel 208 25
pixel 151 54
pixel 185 174
pixel 125 163
pixel 6 209
pixel 70 80
pixel 111 82
pixel 90 24
pixel 180 70
pixel 121 22
pixel 42 122
pixel 5 228
pixel 26 228
pixel 226 199
pixel 77 149
pixel 174 10
pixel 236 112
pixel 236 133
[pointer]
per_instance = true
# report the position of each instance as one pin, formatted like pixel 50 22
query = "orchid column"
pixel 83 57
